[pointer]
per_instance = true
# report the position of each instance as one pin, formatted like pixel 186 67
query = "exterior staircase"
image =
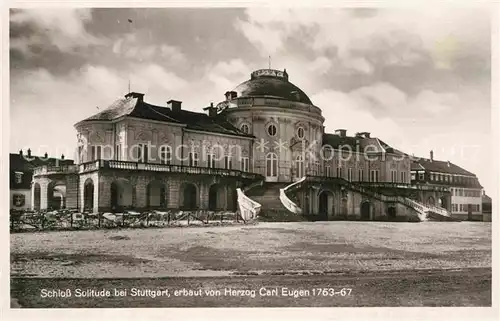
pixel 424 212
pixel 268 195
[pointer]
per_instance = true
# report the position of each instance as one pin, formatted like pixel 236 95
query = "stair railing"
pixel 249 209
pixel 286 201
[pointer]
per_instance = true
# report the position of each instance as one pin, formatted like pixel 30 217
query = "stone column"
pixel 173 186
pixel 203 195
pixel 44 185
pixel 102 193
pixel 72 190
pixel 140 192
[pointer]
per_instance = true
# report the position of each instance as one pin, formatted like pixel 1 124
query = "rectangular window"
pixel 328 171
pixel 361 175
pixel 339 171
pixel 193 159
pixel 349 174
pixel 245 164
pixel 461 207
pixel 394 176
pixel 166 155
pixel 118 152
pixel 421 176
pixel 211 160
pixel 142 153
pixel 373 175
pixel 228 162
pixel 19 177
pixel 403 177
pixel 96 152
pixel 413 176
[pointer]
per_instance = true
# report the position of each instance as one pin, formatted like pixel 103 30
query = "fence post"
pixel 99 219
pixel 168 218
pixel 147 219
pixel 71 220
pixel 221 216
pixel 189 215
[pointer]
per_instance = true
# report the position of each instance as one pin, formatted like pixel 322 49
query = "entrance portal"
pixel 365 210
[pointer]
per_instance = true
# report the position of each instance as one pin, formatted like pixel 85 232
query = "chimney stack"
pixel 21 152
pixel 29 152
pixel 139 96
pixel 432 155
pixel 449 164
pixel 230 95
pixel 46 155
pixel 174 105
pixel 62 156
pixel 212 111
pixel 341 132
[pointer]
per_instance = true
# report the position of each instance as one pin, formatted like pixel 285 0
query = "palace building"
pixel 262 149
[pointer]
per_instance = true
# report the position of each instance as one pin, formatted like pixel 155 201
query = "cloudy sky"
pixel 418 79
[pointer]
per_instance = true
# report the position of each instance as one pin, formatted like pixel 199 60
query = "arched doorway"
pixel 122 194
pixel 88 195
pixel 37 196
pixel 442 202
pixel 366 210
pixel 189 197
pixel 56 195
pixel 391 212
pixel 214 198
pixel 271 166
pixel 325 205
pixel 431 201
pixel 299 163
pixel 156 194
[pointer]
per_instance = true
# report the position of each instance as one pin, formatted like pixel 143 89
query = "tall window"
pixel 299 163
pixel 211 160
pixel 245 164
pixel 96 152
pixel 272 130
pixel 349 174
pixel 118 152
pixel 166 154
pixel 403 177
pixel 421 176
pixel 271 165
pixel 300 132
pixel 193 159
pixel 361 174
pixel 245 128
pixel 228 162
pixel 328 171
pixel 374 175
pixel 394 176
pixel 339 171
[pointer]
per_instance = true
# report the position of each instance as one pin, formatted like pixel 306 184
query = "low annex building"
pixel 266 137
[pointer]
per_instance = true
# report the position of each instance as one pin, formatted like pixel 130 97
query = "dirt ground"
pixel 263 248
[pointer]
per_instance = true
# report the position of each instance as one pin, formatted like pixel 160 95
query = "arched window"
pixel 272 130
pixel 299 163
pixel 271 165
pixel 300 132
pixel 245 128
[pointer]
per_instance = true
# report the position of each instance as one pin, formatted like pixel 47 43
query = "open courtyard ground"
pixel 409 264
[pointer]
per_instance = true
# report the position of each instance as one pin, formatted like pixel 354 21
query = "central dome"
pixel 273 84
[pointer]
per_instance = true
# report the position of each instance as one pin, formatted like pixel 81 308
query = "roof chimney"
pixel 212 111
pixel 449 164
pixel 367 135
pixel 29 152
pixel 21 152
pixel 341 132
pixel 230 95
pixel 432 155
pixel 62 156
pixel 46 155
pixel 139 96
pixel 175 105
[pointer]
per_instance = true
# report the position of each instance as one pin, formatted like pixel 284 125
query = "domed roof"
pixel 271 83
